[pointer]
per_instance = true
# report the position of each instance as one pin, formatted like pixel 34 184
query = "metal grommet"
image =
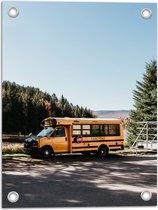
pixel 146 195
pixel 13 197
pixel 13 12
pixel 146 13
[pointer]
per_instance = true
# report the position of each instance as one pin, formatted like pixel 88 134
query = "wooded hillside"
pixel 25 107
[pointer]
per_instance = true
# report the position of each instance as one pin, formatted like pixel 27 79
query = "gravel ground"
pixel 80 181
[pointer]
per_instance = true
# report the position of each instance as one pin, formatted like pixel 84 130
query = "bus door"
pixel 59 139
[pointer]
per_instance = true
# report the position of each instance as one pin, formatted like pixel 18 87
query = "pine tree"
pixel 145 101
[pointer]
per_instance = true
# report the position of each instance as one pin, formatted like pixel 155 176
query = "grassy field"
pixel 12 144
pixel 12 148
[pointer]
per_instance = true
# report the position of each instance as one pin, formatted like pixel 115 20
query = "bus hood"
pixel 31 138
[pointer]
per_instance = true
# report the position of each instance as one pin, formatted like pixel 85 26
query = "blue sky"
pixel 92 53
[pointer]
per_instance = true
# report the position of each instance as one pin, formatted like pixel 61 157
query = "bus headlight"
pixel 35 143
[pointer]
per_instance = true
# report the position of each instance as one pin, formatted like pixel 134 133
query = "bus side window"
pixel 114 130
pixel 95 130
pixel 59 132
pixel 104 130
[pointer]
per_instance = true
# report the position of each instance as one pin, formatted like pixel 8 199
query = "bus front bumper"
pixel 32 150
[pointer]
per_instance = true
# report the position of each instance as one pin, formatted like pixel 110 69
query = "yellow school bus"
pixel 77 135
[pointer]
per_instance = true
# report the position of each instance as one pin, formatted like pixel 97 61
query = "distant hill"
pixel 112 113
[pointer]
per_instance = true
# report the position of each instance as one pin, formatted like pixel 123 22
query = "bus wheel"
pixel 47 152
pixel 103 151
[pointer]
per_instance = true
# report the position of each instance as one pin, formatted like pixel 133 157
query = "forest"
pixel 23 108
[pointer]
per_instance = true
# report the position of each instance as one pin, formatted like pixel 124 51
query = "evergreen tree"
pixel 145 101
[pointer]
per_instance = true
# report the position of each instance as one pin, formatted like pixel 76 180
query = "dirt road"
pixel 78 181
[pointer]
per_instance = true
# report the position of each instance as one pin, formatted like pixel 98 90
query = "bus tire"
pixel 103 151
pixel 47 152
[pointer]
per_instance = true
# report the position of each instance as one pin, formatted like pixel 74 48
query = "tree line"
pixel 23 108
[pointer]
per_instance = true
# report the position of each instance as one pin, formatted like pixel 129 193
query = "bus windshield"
pixel 45 132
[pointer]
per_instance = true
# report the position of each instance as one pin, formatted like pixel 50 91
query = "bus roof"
pixel 80 119
pixel 70 121
pixel 74 119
